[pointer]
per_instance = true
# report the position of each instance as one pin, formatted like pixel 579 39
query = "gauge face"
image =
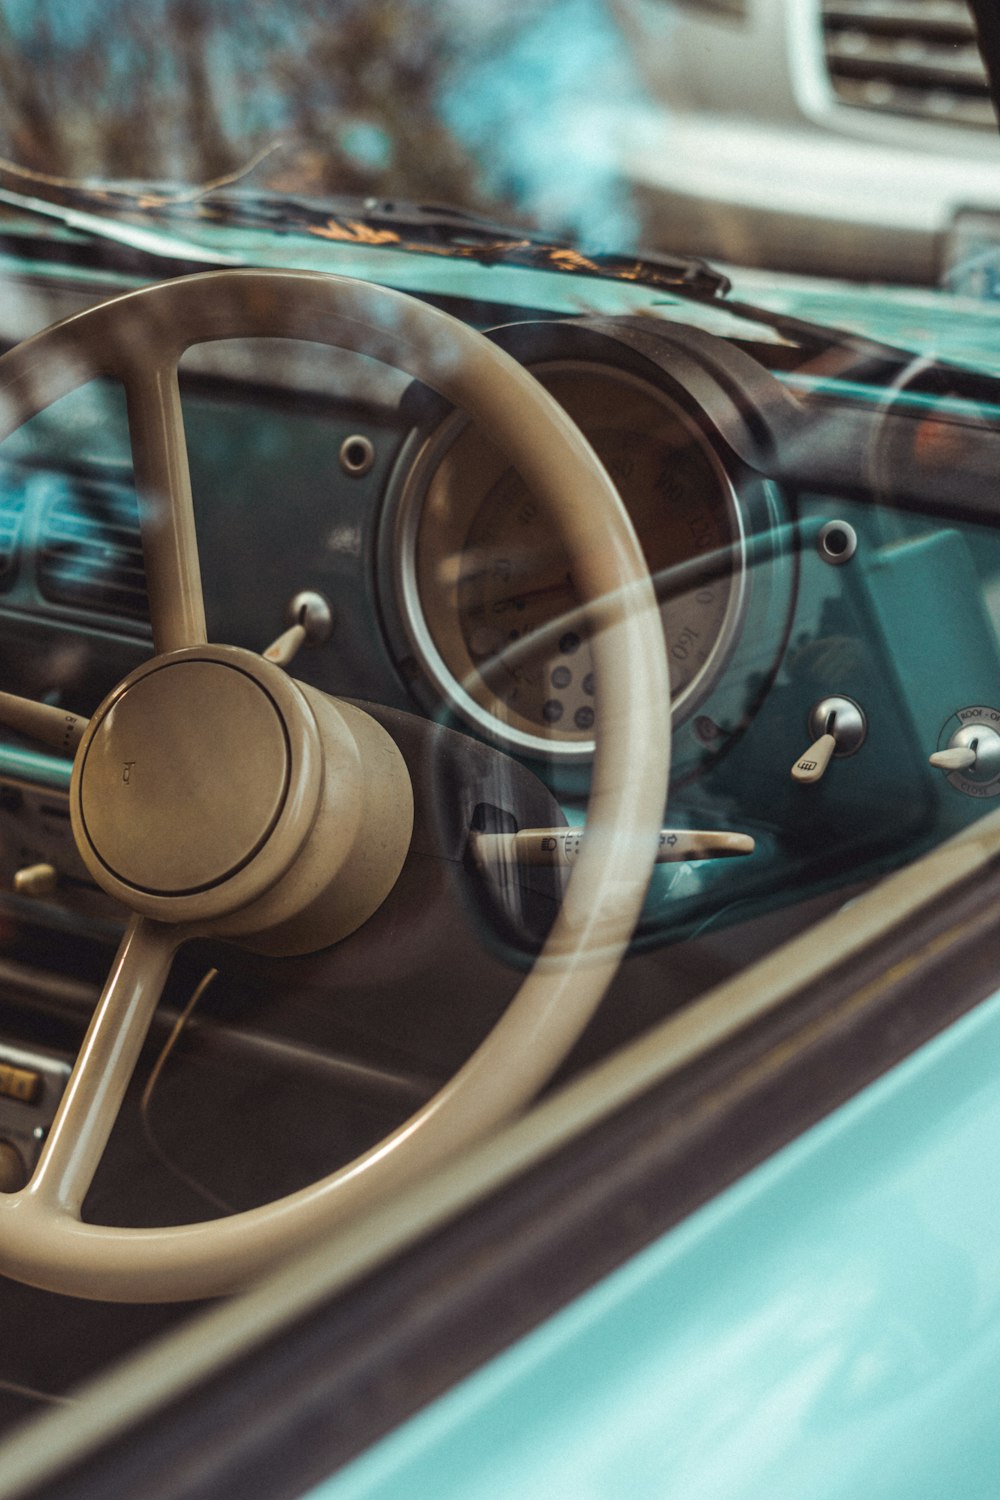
pixel 488 587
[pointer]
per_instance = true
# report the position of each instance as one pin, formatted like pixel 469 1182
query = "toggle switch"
pixel 811 766
pixel 284 648
pixel 838 726
pixel 955 758
pixel 310 624
pixel 970 756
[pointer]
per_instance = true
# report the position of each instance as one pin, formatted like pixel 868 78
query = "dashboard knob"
pixel 310 623
pixel 955 759
pixel 970 755
pixel 811 766
pixel 36 880
pixel 838 726
pixel 284 648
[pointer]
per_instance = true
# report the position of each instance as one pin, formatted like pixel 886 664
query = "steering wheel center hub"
pixel 212 792
pixel 185 777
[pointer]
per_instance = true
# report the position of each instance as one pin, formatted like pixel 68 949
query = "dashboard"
pixel 794 520
pixel 390 1124
pixel 818 518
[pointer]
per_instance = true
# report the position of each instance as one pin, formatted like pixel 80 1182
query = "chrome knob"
pixel 838 726
pixel 970 757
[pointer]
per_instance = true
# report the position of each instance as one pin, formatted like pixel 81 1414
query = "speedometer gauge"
pixel 487 587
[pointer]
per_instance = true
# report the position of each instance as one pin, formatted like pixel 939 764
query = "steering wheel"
pixel 213 795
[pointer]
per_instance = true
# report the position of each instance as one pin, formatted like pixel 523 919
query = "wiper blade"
pixel 136 236
pixel 442 229
pixel 421 228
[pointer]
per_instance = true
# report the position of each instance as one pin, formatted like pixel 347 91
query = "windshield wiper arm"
pixel 454 232
pixel 433 228
pixel 136 236
pixel 421 228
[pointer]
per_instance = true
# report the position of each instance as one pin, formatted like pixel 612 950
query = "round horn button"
pixel 184 777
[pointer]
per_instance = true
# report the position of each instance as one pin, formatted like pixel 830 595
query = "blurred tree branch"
pixel 188 90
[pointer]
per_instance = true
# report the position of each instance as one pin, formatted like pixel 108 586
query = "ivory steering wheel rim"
pixel 139 338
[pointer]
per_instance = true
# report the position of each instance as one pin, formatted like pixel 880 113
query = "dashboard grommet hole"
pixel 357 455
pixel 837 542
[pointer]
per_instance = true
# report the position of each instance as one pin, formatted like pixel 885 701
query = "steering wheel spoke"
pixel 163 482
pixel 105 1065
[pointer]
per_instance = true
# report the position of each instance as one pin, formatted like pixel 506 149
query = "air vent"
pixel 12 503
pixel 91 555
pixel 909 57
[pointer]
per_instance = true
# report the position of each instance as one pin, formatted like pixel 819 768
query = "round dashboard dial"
pixel 487 586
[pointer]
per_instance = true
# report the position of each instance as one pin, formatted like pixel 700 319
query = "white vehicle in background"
pixel 841 137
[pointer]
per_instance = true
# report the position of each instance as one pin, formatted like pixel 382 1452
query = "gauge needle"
pixel 476 563
pixel 519 599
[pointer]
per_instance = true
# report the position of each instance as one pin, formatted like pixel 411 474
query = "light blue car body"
pixel 828 1328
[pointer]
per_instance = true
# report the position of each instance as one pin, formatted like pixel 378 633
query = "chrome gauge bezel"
pixel 442 684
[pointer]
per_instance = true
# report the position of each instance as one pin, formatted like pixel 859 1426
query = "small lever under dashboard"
pixel 41 721
pixel 561 846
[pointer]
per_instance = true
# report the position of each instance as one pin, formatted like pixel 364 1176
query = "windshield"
pixel 534 115
pixel 493 110
pixel 836 142
pixel 499 647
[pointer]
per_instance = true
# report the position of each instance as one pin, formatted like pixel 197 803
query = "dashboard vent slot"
pixel 909 57
pixel 91 553
pixel 12 506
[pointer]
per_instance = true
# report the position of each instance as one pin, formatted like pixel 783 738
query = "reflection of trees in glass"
pixel 190 89
pixel 428 99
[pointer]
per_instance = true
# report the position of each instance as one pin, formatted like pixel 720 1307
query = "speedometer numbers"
pixel 490 589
